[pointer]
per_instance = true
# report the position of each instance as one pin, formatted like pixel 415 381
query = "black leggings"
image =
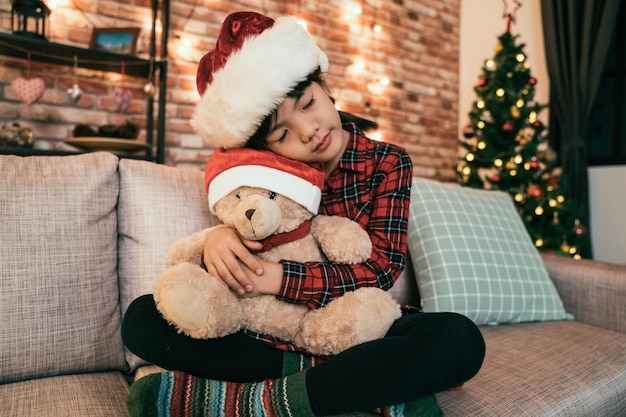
pixel 423 353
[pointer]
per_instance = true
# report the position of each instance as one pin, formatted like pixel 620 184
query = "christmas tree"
pixel 505 147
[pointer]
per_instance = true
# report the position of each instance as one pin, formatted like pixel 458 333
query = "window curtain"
pixel 577 36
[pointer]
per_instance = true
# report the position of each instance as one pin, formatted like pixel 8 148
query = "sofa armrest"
pixel 593 292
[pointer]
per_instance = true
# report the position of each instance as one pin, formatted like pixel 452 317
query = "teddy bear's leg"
pixel 356 317
pixel 268 315
pixel 198 304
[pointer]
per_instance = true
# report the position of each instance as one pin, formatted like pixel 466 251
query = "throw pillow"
pixel 472 255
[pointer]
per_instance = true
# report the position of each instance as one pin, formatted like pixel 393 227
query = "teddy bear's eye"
pixel 272 195
pixel 238 196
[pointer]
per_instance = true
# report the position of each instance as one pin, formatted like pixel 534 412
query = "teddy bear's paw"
pixel 342 240
pixel 356 317
pixel 375 313
pixel 196 303
pixel 268 315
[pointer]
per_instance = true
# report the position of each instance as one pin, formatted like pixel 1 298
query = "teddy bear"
pixel 271 199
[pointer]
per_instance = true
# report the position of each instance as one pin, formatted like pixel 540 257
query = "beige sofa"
pixel 81 236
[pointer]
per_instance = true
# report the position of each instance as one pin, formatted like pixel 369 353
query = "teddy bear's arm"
pixel 342 240
pixel 190 248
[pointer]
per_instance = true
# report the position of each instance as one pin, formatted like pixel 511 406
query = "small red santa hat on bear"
pixel 228 169
pixel 256 61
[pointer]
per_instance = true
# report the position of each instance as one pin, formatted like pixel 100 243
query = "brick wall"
pixel 416 50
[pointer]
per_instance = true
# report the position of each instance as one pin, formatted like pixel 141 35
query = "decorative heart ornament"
pixel 122 98
pixel 28 90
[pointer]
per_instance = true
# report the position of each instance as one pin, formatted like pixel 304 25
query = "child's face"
pixel 308 128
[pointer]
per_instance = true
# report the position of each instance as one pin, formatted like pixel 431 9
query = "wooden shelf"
pixel 19 46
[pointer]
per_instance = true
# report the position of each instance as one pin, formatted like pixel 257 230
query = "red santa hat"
pixel 229 169
pixel 255 63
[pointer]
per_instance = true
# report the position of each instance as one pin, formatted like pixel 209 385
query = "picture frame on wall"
pixel 115 40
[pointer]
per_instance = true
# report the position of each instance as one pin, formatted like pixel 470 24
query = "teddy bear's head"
pixel 258 213
pixel 260 193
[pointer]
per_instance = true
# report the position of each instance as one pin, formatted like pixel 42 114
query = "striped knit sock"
pixel 295 362
pixel 177 394
pixel 423 407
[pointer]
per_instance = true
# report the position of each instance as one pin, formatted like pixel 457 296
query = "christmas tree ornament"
pixel 468 131
pixel 482 81
pixel 28 89
pixel 497 48
pixel 507 127
pixel 515 113
pixel 532 81
pixel 579 228
pixel 75 92
pixel 534 191
pixel 495 178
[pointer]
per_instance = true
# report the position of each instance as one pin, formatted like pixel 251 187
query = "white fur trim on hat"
pixel 254 81
pixel 289 185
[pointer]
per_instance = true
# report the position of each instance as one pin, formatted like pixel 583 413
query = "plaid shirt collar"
pixel 349 160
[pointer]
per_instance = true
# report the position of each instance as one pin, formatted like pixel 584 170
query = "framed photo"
pixel 115 40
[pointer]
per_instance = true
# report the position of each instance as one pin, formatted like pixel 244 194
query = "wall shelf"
pixel 19 46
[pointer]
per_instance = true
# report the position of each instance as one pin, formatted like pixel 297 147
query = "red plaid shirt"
pixel 372 186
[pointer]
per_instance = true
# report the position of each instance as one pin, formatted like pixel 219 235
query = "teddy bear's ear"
pixel 225 207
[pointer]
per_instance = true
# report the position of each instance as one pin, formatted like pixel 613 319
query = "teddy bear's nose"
pixel 249 213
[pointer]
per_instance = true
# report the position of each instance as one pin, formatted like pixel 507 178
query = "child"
pixel 268 93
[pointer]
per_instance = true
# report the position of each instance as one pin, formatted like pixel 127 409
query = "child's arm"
pixel 383 211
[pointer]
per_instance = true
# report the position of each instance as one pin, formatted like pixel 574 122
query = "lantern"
pixel 30 17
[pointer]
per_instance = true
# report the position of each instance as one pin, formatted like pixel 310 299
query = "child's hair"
pixel 259 139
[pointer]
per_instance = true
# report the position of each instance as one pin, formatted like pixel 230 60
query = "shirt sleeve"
pixel 316 284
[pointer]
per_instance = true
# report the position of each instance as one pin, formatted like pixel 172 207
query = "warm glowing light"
pixel 520 103
pixel 539 211
pixel 481 145
pixel 480 104
pixel 520 57
pixel 513 172
pixel 469 157
pixel 500 92
pixel 467 170
pixel 519 197
pixel 480 124
pixel 518 159
pixel 539 242
pixel 552 203
pixel 532 117
pixel 498 162
pixel 560 199
pixel 490 63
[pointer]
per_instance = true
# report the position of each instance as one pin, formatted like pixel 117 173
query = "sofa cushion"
pixel 158 205
pixel 550 369
pixel 473 255
pixel 100 394
pixel 58 251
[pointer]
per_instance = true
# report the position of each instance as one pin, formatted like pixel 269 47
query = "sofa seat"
pixel 99 394
pixel 543 369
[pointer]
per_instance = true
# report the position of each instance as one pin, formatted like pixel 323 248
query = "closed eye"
pixel 272 195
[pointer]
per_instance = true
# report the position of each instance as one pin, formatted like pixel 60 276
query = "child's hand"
pixel 223 251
